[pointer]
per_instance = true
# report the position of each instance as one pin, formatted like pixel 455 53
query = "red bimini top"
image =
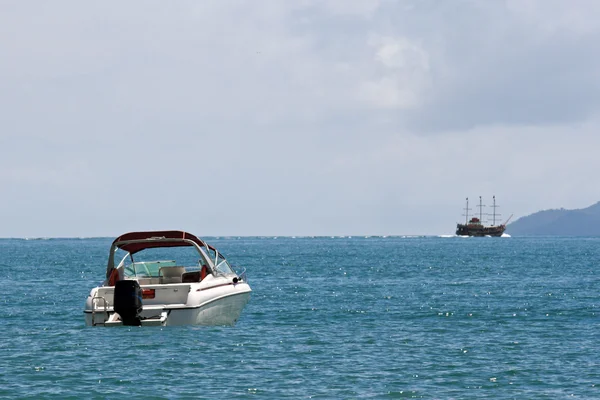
pixel 137 241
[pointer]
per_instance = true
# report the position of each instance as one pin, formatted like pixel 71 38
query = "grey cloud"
pixel 282 117
pixel 491 65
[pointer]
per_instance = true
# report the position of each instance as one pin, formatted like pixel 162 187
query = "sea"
pixel 330 318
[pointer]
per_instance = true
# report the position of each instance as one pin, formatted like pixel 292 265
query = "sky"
pixel 305 117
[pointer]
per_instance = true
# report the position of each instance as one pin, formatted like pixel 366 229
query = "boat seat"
pixel 195 276
pixel 190 277
pixel 170 274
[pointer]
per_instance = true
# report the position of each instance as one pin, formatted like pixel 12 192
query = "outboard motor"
pixel 128 302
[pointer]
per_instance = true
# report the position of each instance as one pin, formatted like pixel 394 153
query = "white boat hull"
pixel 213 304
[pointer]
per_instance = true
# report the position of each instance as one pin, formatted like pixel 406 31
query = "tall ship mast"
pixel 475 226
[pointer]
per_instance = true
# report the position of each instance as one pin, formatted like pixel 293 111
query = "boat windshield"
pixel 221 264
pixel 148 263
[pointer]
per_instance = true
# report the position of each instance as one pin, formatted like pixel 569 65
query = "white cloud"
pixel 405 70
pixel 293 117
pixel 400 53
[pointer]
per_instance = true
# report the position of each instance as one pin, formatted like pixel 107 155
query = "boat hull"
pixel 225 310
pixel 219 305
pixel 479 230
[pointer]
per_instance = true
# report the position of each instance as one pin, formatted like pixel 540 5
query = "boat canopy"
pixel 134 242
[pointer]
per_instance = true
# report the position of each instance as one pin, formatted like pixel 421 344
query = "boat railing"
pixel 95 300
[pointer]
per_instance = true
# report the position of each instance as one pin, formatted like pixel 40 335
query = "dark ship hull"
pixel 479 230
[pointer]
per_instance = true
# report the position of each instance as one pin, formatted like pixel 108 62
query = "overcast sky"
pixel 307 117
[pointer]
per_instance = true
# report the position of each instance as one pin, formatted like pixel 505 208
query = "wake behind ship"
pixel 475 226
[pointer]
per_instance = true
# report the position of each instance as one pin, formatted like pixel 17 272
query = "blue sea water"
pixel 330 318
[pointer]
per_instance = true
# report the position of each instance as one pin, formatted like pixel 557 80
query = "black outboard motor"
pixel 128 302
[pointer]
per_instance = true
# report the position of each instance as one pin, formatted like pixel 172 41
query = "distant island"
pixel 560 222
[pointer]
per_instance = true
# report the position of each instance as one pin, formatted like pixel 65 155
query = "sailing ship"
pixel 475 226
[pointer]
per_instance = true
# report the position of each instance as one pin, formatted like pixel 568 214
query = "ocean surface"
pixel 330 318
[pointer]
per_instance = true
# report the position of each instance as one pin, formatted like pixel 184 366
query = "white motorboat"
pixel 149 288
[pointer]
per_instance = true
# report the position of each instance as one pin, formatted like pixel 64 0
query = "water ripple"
pixel 342 317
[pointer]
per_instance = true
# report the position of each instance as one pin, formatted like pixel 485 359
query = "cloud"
pixel 402 76
pixel 303 117
pixel 495 64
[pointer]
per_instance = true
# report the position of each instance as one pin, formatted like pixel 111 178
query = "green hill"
pixel 561 222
